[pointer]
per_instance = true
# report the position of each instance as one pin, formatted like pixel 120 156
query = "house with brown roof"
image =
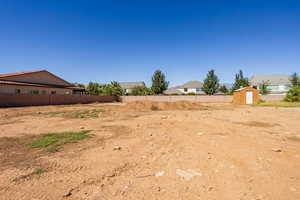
pixel 36 82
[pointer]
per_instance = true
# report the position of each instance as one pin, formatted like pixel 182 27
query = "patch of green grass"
pixel 280 104
pixel 52 142
pixel 38 171
pixel 94 113
pixel 54 113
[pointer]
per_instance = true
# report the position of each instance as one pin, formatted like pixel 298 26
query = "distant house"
pixel 278 84
pixel 36 82
pixel 127 86
pixel 173 90
pixel 189 87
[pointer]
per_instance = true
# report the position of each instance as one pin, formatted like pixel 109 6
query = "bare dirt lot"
pixel 146 150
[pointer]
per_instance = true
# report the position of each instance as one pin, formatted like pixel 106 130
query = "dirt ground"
pixel 145 150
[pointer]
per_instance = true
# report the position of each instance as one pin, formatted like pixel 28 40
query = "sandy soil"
pixel 153 151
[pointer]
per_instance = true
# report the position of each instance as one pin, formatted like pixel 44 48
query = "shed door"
pixel 249 97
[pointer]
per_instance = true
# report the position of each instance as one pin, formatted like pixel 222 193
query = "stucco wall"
pixel 11 89
pixel 13 100
pixel 218 98
pixel 272 97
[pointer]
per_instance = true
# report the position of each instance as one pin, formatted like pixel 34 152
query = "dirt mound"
pixel 152 105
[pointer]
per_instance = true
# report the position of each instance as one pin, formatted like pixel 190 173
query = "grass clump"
pixel 52 142
pixel 94 113
pixel 280 104
pixel 54 113
pixel 38 171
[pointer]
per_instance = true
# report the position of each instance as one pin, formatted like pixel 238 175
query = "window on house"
pixel 273 87
pixel 34 92
pixel 53 92
pixel 185 89
pixel 17 91
pixel 198 89
pixel 44 92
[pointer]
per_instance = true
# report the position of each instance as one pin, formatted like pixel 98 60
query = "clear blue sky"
pixel 127 40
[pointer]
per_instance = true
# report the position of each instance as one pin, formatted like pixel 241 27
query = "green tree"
pixel 141 91
pixel 240 81
pixel 112 89
pixel 159 83
pixel 93 88
pixel 224 89
pixel 211 83
pixel 79 85
pixel 295 80
pixel 293 95
pixel 263 88
pixel 116 89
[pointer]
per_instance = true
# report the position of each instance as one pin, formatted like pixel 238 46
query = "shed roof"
pixel 244 88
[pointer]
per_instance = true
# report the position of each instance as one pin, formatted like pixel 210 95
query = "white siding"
pixel 190 90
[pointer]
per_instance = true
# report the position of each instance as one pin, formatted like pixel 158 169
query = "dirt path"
pixel 211 151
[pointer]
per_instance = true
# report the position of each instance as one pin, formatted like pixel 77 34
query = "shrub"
pixel 141 91
pixel 191 94
pixel 293 95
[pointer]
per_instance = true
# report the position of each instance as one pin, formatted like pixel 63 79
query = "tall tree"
pixel 240 81
pixel 159 83
pixel 211 83
pixel 293 94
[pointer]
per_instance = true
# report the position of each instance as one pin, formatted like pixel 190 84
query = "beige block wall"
pixel 206 98
pixel 11 89
pixel 39 78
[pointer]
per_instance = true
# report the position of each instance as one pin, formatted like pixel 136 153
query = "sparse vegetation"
pixel 141 91
pixel 280 104
pixel 94 113
pixel 37 171
pixel 52 142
